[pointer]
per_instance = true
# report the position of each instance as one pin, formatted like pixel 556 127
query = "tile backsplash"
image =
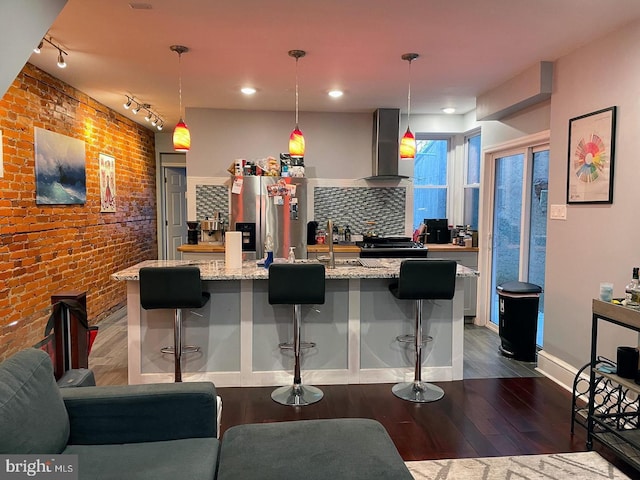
pixel 211 199
pixel 354 206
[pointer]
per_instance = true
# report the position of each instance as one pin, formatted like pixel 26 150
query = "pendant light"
pixel 408 141
pixel 296 139
pixel 181 135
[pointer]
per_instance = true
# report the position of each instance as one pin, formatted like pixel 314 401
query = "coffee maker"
pixel 193 233
pixel 212 230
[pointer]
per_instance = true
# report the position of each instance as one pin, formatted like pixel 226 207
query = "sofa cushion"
pixel 188 459
pixel 33 418
pixel 353 448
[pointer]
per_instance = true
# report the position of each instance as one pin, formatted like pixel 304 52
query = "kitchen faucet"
pixel 332 260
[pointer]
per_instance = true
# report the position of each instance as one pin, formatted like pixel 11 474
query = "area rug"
pixel 561 466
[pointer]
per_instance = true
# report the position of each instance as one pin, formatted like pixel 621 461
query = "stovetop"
pixel 389 242
pixel 391 245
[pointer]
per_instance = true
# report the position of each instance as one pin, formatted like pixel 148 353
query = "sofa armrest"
pixel 141 413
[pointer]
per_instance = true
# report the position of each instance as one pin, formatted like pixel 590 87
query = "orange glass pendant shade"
pixel 296 143
pixel 408 145
pixel 181 137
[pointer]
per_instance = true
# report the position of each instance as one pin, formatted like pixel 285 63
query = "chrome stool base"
pixel 290 345
pixel 412 338
pixel 418 392
pixel 297 395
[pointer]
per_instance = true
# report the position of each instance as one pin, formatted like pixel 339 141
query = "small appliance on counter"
pixel 212 230
pixel 437 230
pixel 193 233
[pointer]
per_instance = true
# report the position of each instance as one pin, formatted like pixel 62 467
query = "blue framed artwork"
pixel 61 177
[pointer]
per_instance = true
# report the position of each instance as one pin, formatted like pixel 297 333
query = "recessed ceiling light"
pixel 248 90
pixel 449 110
pixel 336 93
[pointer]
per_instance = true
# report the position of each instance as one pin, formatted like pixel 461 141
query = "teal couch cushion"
pixel 188 459
pixel 343 448
pixel 33 418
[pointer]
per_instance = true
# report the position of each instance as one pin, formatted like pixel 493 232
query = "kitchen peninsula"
pixel 238 331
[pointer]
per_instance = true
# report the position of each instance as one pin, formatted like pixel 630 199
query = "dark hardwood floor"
pixel 520 413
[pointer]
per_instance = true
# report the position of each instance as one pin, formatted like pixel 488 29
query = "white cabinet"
pixel 468 259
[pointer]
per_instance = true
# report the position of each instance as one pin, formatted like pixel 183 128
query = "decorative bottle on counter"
pixel 268 251
pixel 632 291
pixel 347 234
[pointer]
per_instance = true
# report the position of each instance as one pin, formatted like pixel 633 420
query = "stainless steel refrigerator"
pixel 275 206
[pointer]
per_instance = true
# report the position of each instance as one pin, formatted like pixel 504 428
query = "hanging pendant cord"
pixel 180 81
pixel 409 97
pixel 296 92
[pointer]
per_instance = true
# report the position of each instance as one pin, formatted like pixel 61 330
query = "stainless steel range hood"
pixel 386 125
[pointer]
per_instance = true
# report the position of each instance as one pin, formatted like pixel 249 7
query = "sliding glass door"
pixel 519 222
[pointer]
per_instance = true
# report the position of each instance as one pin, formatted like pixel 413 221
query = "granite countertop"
pixel 214 269
pixel 433 247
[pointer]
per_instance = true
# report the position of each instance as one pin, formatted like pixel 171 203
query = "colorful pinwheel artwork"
pixel 590 159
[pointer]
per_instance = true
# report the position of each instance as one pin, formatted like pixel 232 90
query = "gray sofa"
pixel 168 431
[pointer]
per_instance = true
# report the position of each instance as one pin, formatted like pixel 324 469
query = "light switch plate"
pixel 558 212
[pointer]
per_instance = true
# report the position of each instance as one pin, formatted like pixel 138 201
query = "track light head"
pixel 136 109
pixel 154 122
pixel 61 62
pixel 127 104
pixel 39 47
pixel 160 125
pixel 148 116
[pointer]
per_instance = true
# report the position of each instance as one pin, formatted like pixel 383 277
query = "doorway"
pixel 172 202
pixel 517 221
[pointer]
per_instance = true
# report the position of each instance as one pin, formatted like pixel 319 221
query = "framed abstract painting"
pixel 591 157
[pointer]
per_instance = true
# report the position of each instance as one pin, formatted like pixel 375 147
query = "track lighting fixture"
pixel 151 116
pixel 61 62
pixel 61 53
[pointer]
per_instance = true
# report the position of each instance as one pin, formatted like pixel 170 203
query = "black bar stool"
pixel 175 288
pixel 419 280
pixel 296 284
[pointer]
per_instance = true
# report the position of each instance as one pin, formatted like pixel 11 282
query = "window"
pixel 472 181
pixel 430 184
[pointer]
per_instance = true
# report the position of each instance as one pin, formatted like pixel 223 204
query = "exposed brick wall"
pixel 47 249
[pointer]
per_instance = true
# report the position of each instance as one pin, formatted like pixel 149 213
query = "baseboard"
pixel 557 370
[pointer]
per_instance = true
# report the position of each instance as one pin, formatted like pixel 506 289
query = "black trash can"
pixel 518 319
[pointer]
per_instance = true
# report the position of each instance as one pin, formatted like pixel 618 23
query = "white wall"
pixel 338 145
pixel 529 121
pixel 22 26
pixel 597 242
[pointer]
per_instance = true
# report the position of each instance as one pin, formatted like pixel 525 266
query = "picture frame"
pixel 107 173
pixel 590 159
pixel 61 177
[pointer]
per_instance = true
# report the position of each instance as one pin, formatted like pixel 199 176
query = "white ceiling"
pixel 466 47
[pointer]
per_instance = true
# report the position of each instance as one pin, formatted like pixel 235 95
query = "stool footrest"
pixel 185 349
pixel 411 338
pixel 303 345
